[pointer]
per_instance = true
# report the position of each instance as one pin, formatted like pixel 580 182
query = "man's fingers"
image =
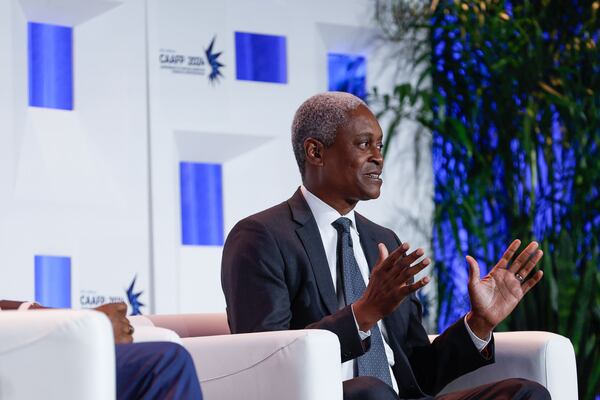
pixel 113 310
pixel 399 264
pixel 508 254
pixel 474 272
pixel 533 260
pixel 120 339
pixel 420 266
pixel 383 253
pixel 409 259
pixel 121 308
pixel 405 290
pixel 404 275
pixel 523 257
pixel 396 254
pixel 125 322
pixel 528 284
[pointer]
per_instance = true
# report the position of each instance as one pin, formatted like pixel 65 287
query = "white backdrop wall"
pixel 75 183
pixel 101 183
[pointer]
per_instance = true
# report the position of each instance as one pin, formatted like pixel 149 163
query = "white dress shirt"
pixel 324 216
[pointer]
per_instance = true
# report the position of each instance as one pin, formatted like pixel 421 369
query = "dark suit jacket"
pixel 275 276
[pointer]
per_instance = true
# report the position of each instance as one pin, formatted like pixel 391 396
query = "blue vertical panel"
pixel 53 281
pixel 201 204
pixel 50 66
pixel 347 73
pixel 260 58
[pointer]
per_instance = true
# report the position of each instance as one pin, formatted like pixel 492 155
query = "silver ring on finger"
pixel 519 277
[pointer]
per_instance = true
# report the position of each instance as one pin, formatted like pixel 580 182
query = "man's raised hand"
pixel 495 296
pixel 390 283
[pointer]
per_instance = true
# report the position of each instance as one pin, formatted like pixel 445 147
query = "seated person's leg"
pixel 508 389
pixel 155 370
pixel 367 388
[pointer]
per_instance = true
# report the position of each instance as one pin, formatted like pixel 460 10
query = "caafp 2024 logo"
pixel 93 299
pixel 207 64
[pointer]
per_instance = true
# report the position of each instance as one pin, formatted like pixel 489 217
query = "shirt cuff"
pixel 480 344
pixel 363 335
pixel 25 305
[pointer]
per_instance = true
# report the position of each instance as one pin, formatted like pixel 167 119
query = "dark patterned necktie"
pixel 373 362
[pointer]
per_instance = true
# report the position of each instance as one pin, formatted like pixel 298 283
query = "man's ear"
pixel 313 149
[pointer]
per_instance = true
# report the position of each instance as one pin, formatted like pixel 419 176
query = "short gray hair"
pixel 319 117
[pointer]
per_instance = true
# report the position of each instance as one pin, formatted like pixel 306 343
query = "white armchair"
pixel 293 365
pixel 56 354
pixel 305 364
pixel 543 357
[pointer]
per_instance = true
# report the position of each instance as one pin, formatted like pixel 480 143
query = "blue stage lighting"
pixel 50 66
pixel 53 281
pixel 348 73
pixel 201 190
pixel 260 58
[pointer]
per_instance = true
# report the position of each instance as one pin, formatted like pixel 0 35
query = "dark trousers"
pixel 155 370
pixel 369 388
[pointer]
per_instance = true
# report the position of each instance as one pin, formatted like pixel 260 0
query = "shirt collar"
pixel 324 214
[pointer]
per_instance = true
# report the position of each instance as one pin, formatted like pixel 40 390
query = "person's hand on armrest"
pixel 116 313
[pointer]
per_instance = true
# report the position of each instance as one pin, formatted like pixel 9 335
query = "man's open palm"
pixel 495 296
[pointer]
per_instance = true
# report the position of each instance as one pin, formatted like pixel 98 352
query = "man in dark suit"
pixel 312 262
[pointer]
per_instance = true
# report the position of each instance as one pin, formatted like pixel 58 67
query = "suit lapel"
pixel 367 241
pixel 308 232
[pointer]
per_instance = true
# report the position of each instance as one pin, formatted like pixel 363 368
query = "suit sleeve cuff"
pixel 480 344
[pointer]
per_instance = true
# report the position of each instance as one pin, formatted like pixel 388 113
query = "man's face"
pixel 352 165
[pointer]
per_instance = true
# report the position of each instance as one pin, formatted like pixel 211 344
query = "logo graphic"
pixel 132 297
pixel 213 61
pixel 183 63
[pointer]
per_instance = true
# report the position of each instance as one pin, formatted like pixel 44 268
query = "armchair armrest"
pixel 293 365
pixel 146 331
pixel 56 354
pixel 543 357
pixel 186 325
